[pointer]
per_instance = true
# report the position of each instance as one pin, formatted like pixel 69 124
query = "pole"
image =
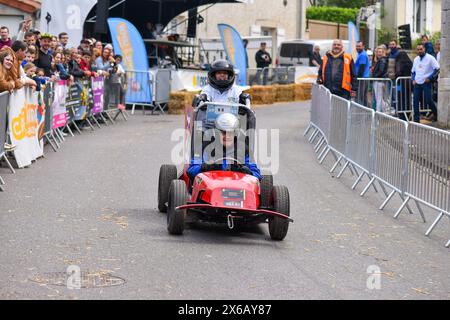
pixel 444 81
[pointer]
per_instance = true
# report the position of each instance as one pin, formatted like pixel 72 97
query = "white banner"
pixel 306 74
pixel 26 126
pixel 67 16
pixel 189 80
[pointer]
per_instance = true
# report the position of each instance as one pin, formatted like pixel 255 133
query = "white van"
pixel 298 52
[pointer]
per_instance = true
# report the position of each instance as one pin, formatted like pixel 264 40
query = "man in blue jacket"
pixel 228 127
pixel 362 63
pixel 362 66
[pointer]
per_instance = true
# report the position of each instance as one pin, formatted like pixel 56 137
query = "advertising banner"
pixel 189 80
pixel 353 38
pixel 26 126
pixel 127 41
pixel 306 75
pixel 97 95
pixel 58 105
pixel 235 50
pixel 75 111
pixel 4 98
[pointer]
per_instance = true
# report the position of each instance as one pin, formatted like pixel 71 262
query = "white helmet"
pixel 227 122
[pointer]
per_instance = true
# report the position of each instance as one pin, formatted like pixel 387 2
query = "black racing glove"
pixel 199 99
pixel 243 98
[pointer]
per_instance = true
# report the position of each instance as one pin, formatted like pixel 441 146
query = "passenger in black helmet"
pixel 221 85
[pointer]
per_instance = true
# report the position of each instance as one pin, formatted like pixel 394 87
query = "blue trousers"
pixel 423 90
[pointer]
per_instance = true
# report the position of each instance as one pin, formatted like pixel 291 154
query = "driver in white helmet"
pixel 228 128
pixel 221 85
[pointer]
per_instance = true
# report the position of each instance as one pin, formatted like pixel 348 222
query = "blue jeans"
pixel 425 90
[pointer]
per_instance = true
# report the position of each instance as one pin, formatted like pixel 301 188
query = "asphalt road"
pixel 93 205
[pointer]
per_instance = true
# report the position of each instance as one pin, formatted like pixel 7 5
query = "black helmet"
pixel 221 65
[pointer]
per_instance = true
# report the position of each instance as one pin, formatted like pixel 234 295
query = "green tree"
pixel 332 14
pixel 343 3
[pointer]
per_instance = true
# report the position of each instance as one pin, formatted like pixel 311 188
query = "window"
pixel 296 50
pixel 418 11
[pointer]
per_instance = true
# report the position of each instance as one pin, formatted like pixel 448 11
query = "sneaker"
pixel 432 117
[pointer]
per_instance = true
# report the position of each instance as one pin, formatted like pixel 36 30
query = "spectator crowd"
pixel 357 79
pixel 35 59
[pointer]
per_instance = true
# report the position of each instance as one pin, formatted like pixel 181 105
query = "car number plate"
pixel 234 204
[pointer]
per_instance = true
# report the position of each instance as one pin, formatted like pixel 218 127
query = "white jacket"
pixel 232 95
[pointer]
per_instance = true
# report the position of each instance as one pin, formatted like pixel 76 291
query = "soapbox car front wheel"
pixel 177 197
pixel 167 174
pixel 278 227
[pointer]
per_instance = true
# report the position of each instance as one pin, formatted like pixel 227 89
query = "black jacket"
pixel 260 62
pixel 403 65
pixel 334 83
pixel 75 70
pixel 315 57
pixel 380 70
pixel 44 61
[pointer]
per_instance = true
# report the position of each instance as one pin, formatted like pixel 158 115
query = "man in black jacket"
pixel 403 67
pixel 263 61
pixel 44 60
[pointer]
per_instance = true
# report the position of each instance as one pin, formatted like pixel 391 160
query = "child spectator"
pixel 40 77
pixel 86 64
pixel 58 67
pixel 121 74
pixel 30 71
pixel 30 56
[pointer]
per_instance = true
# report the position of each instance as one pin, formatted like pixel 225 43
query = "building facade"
pixel 254 19
pixel 422 15
pixel 14 12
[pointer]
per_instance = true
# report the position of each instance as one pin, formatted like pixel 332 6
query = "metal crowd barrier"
pixel 284 75
pixel 359 147
pixel 429 169
pixel 388 160
pixel 411 159
pixel 49 136
pixel 314 108
pixel 405 99
pixel 255 76
pixel 338 130
pixel 338 124
pixel 270 76
pixel 3 127
pixel 162 89
pixel 376 94
pixel 320 122
pixel 139 89
pixel 52 135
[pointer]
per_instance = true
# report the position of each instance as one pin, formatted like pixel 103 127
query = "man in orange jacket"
pixel 337 72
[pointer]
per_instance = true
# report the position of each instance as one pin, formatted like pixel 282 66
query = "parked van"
pixel 298 52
